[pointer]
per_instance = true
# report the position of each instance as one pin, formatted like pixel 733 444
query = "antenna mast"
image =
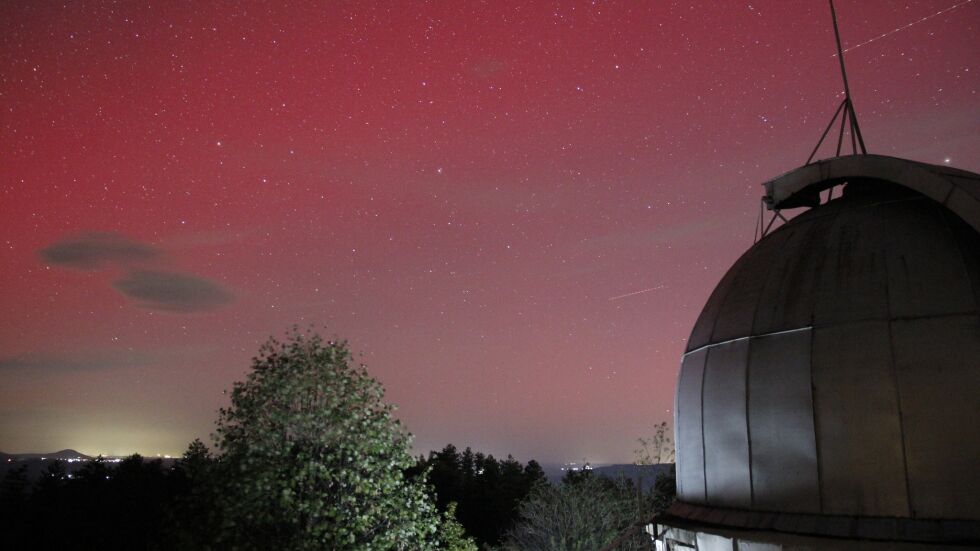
pixel 849 117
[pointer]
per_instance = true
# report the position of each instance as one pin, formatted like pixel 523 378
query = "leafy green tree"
pixel 452 535
pixel 311 457
pixel 584 513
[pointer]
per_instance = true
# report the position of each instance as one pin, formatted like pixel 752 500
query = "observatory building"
pixel 829 396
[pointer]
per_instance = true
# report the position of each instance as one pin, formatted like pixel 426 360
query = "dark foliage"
pixel 664 490
pixel 487 491
pixel 193 514
pixel 122 506
pixel 138 504
pixel 588 512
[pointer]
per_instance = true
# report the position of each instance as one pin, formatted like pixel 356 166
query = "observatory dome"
pixel 831 385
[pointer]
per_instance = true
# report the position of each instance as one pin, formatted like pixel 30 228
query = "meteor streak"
pixel 637 292
pixel 902 28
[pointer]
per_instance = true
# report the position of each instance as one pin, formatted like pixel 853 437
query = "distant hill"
pixel 63 455
pixel 639 474
pixel 644 475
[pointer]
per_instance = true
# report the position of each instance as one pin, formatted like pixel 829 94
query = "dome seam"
pixel 898 395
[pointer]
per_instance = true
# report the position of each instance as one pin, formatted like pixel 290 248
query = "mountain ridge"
pixel 66 453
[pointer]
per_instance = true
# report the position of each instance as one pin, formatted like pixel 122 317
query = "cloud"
pixel 697 229
pixel 94 359
pixel 78 362
pixel 92 250
pixel 155 289
pixel 173 292
pixel 488 67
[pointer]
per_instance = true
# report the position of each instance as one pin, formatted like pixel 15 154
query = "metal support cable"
pixel 826 130
pixel 840 137
pixel 849 116
pixel 855 129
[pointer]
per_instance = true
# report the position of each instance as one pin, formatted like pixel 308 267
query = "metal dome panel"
pixel 958 190
pixel 860 404
pixel 780 417
pixel 940 407
pixel 834 370
pixel 689 437
pixel 727 477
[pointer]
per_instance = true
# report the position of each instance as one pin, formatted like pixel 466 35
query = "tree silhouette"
pixel 193 516
pixel 486 491
pixel 657 449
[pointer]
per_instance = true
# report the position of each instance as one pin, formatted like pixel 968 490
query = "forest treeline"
pixel 308 456
pixel 143 504
pixel 486 491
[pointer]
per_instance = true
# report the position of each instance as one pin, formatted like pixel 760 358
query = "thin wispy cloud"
pixel 87 361
pixel 173 292
pixel 101 358
pixel 91 251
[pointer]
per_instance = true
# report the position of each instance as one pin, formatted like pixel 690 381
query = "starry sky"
pixel 513 211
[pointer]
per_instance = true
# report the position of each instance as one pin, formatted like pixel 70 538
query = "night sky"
pixel 514 213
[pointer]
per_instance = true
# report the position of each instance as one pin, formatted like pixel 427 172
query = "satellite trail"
pixel 637 292
pixel 902 28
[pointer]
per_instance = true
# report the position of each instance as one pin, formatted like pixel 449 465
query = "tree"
pixel 196 462
pixel 137 494
pixel 584 513
pixel 533 473
pixel 311 457
pixel 452 535
pixel 486 490
pixel 657 449
pixel 13 508
pixel 193 513
pixel 665 490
